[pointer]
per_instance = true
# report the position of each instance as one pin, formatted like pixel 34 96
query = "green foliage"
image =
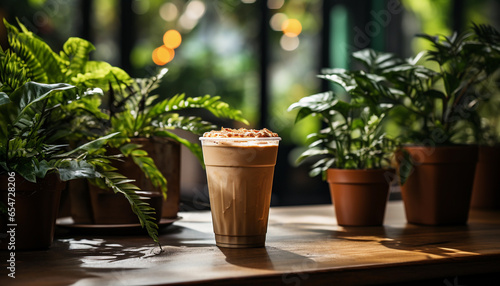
pixel 137 111
pixel 430 107
pixel 120 184
pixel 71 65
pixel 353 136
pixel 24 148
pixel 449 99
pixel 74 114
pixel 31 59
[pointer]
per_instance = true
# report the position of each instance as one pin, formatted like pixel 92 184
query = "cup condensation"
pixel 240 177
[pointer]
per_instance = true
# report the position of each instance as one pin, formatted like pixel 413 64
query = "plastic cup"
pixel 240 177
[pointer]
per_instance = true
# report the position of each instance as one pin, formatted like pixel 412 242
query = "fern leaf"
pixel 39 58
pixel 13 72
pixel 211 103
pixel 120 184
pixel 75 53
pixel 195 125
pixel 147 165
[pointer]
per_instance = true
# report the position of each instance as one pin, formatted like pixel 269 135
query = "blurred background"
pixel 258 55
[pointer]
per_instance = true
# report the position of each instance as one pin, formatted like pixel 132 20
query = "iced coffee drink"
pixel 240 168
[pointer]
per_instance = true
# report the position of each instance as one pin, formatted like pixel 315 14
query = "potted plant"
pixel 437 171
pixel 352 152
pixel 32 170
pixel 145 123
pixel 130 108
pixel 77 121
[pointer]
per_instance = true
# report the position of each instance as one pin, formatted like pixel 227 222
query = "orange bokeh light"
pixel 162 55
pixel 291 27
pixel 172 39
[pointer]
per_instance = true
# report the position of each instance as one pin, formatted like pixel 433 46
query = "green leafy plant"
pixel 438 107
pixel 136 111
pixel 353 137
pixel 441 104
pixel 70 116
pixel 31 59
pixel 486 118
pixel 129 106
pixel 24 148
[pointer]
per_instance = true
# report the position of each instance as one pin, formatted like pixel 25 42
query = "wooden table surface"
pixel 304 246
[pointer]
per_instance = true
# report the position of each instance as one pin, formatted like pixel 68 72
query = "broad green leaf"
pixel 37 55
pixel 33 92
pixel 4 98
pixel 70 169
pixel 76 54
pixel 90 146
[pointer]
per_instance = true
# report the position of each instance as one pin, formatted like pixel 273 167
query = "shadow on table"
pixel 270 258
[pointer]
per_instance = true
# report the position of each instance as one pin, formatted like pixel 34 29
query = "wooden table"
pixel 304 246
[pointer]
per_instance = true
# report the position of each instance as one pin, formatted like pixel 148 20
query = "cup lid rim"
pixel 242 138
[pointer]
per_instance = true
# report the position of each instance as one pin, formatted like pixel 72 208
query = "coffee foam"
pixel 240 138
pixel 240 133
pixel 240 142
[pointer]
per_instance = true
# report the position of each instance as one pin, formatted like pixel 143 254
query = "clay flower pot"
pixel 86 206
pixel 359 196
pixel 438 190
pixel 166 155
pixel 36 207
pixel 111 208
pixel 486 191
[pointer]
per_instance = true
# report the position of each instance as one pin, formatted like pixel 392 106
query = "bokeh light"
pixel 169 12
pixel 291 27
pixel 277 20
pixel 172 39
pixel 195 9
pixel 289 43
pixel 162 55
pixel 275 4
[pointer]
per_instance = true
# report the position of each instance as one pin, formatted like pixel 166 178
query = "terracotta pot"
pixel 166 154
pixel 36 207
pixel 79 199
pixel 486 191
pixel 359 196
pixel 111 208
pixel 438 191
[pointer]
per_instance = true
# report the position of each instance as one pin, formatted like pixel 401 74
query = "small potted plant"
pixel 437 169
pixel 352 151
pixel 32 170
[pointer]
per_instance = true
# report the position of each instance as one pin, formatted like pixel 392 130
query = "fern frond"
pixel 39 58
pixel 487 33
pixel 195 125
pixel 211 103
pixel 75 55
pixel 146 164
pixel 13 72
pixel 120 184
